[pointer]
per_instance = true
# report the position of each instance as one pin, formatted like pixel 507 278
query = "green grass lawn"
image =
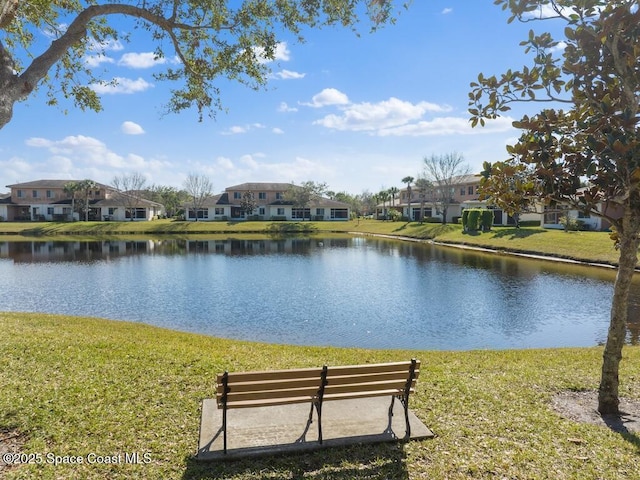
pixel 586 246
pixel 75 386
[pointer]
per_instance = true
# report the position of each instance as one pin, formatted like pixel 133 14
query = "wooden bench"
pixel 315 386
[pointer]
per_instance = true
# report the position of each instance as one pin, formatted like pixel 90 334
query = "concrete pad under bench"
pixel 283 429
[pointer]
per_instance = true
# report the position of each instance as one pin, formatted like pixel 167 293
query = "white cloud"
pixel 447 10
pixel 288 75
pixel 122 85
pixel 106 46
pixel 239 129
pixel 140 60
pixel 131 128
pixel 277 131
pixel 447 126
pixel 371 117
pixel 328 96
pixel 93 61
pixel 281 53
pixel 80 149
pixel 283 107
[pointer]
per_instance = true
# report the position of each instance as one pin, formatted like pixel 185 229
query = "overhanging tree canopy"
pixel 597 138
pixel 212 39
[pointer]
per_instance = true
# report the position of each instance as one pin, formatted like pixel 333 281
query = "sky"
pixel 357 112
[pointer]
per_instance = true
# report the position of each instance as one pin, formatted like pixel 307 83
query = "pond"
pixel 346 292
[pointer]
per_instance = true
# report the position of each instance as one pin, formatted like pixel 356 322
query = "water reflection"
pixel 339 291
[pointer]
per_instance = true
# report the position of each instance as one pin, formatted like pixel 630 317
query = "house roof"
pixel 50 184
pixel 261 186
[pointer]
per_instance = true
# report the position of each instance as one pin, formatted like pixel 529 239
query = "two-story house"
pixel 461 193
pixel 51 200
pixel 270 203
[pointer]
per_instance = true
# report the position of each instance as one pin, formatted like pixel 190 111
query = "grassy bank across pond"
pixel 594 247
pixel 75 387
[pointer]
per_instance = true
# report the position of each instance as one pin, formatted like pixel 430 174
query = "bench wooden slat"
pixel 316 385
pixel 332 380
pixel 271 375
pixel 392 387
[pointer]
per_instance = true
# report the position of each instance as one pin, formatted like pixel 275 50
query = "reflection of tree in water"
pixel 633 323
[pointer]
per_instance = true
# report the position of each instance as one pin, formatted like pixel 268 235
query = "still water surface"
pixel 352 292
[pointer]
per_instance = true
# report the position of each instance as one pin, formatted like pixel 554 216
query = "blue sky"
pixel 357 112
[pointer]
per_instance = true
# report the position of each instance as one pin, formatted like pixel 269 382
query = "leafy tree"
pixel 444 171
pixel 130 190
pixel 211 39
pixel 408 180
pixel 366 202
pixel 597 138
pixel 172 198
pixel 248 203
pixel 508 185
pixel 199 188
pixel 300 196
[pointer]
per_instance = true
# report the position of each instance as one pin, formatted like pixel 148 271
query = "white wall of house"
pixel 4 213
pixel 50 212
pixel 269 212
pixel 119 214
pixel 552 219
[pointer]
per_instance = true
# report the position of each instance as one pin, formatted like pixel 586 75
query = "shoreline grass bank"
pixel 76 386
pixel 588 247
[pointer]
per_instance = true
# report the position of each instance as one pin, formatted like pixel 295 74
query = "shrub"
pixel 487 219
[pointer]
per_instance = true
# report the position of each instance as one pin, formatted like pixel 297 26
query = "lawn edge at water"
pixel 590 248
pixel 80 385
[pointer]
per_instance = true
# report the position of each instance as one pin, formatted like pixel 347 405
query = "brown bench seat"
pixel 235 390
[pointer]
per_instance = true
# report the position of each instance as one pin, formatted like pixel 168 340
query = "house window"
pixel 49 210
pixel 470 190
pixel 462 191
pixel 279 196
pixel 261 211
pixel 219 211
pixel 262 195
pixel 320 212
pixel 49 194
pixel 34 193
pixel 201 213
pixel 66 210
pixel 339 213
pixel 237 196
pixel 112 210
pixel 300 213
pixel 280 211
pixel 583 215
pixel 20 194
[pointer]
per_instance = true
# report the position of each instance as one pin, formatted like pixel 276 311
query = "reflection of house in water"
pixel 263 246
pixel 94 251
pixel 67 251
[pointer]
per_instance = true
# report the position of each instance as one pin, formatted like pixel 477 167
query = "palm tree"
pixel 423 185
pixel 71 188
pixel 408 180
pixel 383 196
pixel 86 187
pixel 393 191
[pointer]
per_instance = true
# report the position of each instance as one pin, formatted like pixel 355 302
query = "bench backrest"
pixel 279 387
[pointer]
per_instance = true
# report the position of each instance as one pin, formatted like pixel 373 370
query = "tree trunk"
pixel 608 400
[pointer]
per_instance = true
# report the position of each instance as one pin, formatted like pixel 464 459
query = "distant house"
pixel 463 193
pixel 270 204
pixel 552 217
pixel 46 200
